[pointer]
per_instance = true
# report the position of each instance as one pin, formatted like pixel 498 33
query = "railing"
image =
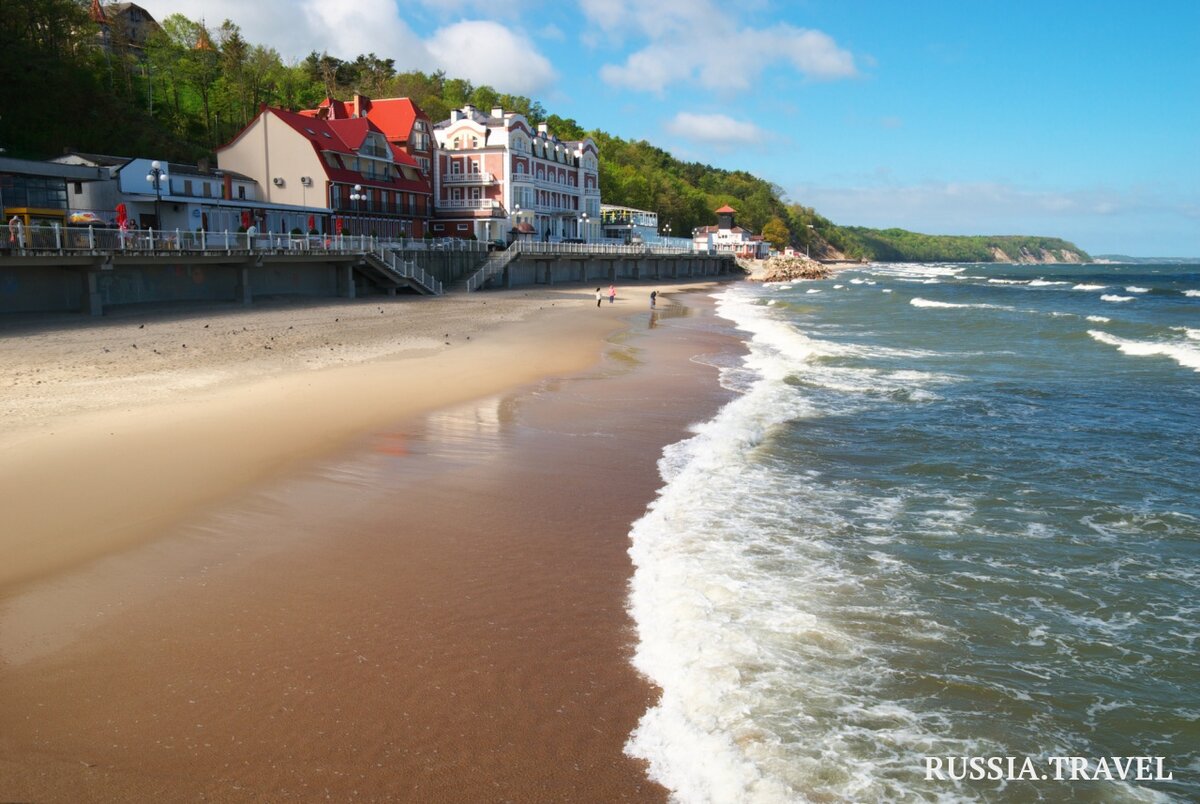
pixel 410 270
pixel 538 247
pixel 67 240
pixel 497 262
pixel 469 203
pixel 468 178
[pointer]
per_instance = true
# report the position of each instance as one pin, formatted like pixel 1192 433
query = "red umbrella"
pixel 337 225
pixel 122 215
pixel 312 222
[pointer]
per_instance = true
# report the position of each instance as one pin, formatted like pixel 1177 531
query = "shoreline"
pixel 577 547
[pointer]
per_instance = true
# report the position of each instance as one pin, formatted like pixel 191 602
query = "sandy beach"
pixel 369 550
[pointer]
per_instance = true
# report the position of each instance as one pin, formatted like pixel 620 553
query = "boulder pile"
pixel 785 269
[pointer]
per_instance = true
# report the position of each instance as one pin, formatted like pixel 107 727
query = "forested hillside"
pixel 194 88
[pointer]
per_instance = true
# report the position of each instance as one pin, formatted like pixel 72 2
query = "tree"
pixel 776 233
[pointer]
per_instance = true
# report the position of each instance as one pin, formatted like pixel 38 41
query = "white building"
pixel 496 177
pixel 728 237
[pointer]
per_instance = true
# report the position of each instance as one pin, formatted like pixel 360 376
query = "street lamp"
pixel 583 221
pixel 156 176
pixel 668 231
pixel 358 196
pixel 808 240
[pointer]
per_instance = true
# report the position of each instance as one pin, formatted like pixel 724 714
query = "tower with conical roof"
pixel 725 217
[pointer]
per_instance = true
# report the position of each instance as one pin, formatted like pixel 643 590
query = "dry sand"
pixel 155 645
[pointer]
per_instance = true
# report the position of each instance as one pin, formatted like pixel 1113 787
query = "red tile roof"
pixel 345 137
pixel 393 116
pixel 726 208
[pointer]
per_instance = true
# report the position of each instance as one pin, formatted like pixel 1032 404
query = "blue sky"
pixel 1058 117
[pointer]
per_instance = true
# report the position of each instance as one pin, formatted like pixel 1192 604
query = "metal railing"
pixel 468 203
pixel 66 240
pixel 498 261
pixel 410 270
pixel 468 178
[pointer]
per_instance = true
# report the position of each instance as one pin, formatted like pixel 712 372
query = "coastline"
pixel 525 684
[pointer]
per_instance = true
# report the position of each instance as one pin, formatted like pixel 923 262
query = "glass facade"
pixel 33 193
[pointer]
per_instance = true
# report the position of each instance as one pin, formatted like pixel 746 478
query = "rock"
pixel 786 269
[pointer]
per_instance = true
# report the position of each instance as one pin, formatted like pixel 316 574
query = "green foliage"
pixel 899 245
pixel 776 233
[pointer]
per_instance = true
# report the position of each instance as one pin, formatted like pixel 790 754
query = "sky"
pixel 1066 118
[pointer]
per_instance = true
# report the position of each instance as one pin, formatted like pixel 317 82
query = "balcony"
pixel 468 203
pixel 468 178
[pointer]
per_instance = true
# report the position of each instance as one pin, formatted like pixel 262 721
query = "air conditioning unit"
pixel 278 182
pixel 306 181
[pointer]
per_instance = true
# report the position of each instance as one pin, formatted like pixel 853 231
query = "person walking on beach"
pixel 612 293
pixel 653 298
pixel 599 297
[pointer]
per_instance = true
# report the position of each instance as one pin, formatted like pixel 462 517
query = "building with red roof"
pixel 727 236
pixel 345 165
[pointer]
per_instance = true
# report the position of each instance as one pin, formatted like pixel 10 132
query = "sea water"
pixel 952 512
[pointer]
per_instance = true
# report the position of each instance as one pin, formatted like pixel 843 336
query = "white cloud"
pixel 481 51
pixel 700 41
pixel 486 52
pixel 715 129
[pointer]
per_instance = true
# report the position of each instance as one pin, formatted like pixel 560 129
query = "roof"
pixel 93 160
pixel 393 116
pixel 344 137
pixel 726 208
pixel 55 170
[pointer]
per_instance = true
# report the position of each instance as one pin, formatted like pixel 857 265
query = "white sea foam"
pixel 839 287
pixel 813 290
pixel 727 639
pixel 887 290
pixel 1182 352
pixel 1110 297
pixel 1008 281
pixel 919 302
pixel 1089 287
pixel 1136 289
pixel 1099 319
pixel 1192 293
pixel 1041 283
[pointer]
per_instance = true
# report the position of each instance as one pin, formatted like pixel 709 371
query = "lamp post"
pixel 667 229
pixel 358 196
pixel 808 240
pixel 583 222
pixel 156 176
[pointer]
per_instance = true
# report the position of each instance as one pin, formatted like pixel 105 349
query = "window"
pixel 187 186
pixel 78 188
pixel 207 190
pixel 241 191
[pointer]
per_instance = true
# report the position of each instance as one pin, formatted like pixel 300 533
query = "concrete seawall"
pixel 548 270
pixel 89 284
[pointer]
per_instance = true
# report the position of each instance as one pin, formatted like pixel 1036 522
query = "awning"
pixel 525 228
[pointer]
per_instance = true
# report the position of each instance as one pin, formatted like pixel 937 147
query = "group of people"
pixel 612 296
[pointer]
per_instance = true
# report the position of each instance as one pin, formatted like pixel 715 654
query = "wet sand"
pixel 433 612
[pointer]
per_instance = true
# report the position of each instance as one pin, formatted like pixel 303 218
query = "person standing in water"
pixel 653 298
